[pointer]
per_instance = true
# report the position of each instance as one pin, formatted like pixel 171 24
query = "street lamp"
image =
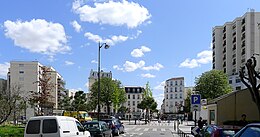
pixel 99 47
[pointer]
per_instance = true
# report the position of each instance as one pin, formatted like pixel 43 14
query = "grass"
pixel 11 131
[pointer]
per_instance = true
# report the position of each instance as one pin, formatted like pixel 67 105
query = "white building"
pixel 26 75
pixel 174 95
pixel 134 96
pixel 234 43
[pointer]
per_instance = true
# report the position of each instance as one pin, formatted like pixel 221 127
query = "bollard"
pixel 174 125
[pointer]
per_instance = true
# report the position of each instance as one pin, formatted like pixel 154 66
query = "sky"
pixel 150 40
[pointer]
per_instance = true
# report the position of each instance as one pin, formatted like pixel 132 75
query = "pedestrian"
pixel 200 123
pixel 243 122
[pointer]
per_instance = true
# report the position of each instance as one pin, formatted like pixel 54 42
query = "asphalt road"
pixel 153 129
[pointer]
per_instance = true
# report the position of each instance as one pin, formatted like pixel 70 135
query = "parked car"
pixel 216 131
pixel 54 126
pixel 98 129
pixel 115 125
pixel 250 130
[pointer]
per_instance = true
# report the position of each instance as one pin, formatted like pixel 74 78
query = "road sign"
pixel 195 103
pixel 195 130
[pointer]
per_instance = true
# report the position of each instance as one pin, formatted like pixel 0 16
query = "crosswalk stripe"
pixel 146 129
pixel 163 129
pixel 154 129
pixel 138 129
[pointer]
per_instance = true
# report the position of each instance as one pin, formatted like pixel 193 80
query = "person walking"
pixel 243 122
pixel 200 123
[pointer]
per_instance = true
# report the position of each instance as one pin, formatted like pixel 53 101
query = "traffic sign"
pixel 195 99
pixel 195 130
pixel 195 103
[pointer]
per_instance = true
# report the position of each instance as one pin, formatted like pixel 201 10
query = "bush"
pixel 11 131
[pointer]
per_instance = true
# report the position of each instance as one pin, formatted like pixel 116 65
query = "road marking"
pixel 163 129
pixel 154 129
pixel 140 134
pixel 146 129
pixel 138 129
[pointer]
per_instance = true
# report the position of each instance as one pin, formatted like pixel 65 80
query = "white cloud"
pixel 140 52
pixel 4 69
pixel 203 57
pixel 157 66
pixel 116 67
pixel 112 41
pixel 38 36
pixel 131 66
pixel 148 75
pixel 94 61
pixel 137 34
pixel 113 13
pixel 76 26
pixel 160 86
pixel 69 63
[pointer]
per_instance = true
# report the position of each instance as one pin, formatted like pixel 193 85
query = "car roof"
pixel 52 117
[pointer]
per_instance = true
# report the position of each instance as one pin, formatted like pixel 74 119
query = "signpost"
pixel 195 105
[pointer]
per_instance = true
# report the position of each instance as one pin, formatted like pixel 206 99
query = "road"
pixel 153 129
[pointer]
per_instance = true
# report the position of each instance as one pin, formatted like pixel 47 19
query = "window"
pixel 176 82
pixel 238 80
pixel 230 81
pixel 175 89
pixel 171 83
pixel 180 89
pixel 171 89
pixel 238 88
pixel 33 127
pixel 138 96
pixel 133 96
pixel 49 126
pixel 79 126
pixel 167 96
pixel 133 103
pixel 128 96
pixel 180 95
pixel 21 72
pixel 21 78
pixel 176 96
pixel 171 96
pixel 181 82
pixel 128 103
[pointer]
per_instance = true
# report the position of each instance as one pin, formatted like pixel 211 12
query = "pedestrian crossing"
pixel 140 129
pixel 160 124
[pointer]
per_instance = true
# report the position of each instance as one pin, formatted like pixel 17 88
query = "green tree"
pixel 148 104
pixel 65 102
pixel 212 84
pixel 79 102
pixel 108 89
pixel 187 102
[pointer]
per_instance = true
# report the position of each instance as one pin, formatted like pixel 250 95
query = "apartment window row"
pixel 133 96
pixel 171 83
pixel 171 96
pixel 175 89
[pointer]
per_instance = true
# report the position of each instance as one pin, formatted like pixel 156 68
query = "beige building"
pixel 231 106
pixel 234 43
pixel 26 75
pixel 174 95
pixel 134 96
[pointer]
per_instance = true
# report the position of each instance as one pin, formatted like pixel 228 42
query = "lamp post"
pixel 99 47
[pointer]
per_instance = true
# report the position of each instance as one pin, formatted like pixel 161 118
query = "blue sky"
pixel 150 40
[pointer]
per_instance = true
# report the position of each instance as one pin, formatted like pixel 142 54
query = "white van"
pixel 54 126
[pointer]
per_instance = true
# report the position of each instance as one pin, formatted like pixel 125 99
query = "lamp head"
pixel 106 46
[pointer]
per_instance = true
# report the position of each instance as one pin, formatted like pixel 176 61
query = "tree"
pixel 251 83
pixel 43 99
pixel 187 102
pixel 108 89
pixel 79 102
pixel 65 103
pixel 8 102
pixel 212 84
pixel 147 104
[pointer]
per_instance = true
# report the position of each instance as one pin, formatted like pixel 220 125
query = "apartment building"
pixel 93 76
pixel 234 43
pixel 174 95
pixel 26 75
pixel 134 96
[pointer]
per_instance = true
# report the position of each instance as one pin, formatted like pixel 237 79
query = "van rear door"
pixel 50 128
pixel 33 128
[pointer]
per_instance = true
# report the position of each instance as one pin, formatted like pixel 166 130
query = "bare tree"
pixel 251 83
pixel 8 102
pixel 43 99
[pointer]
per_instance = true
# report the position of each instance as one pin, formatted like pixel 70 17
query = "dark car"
pixel 98 129
pixel 216 131
pixel 250 130
pixel 115 125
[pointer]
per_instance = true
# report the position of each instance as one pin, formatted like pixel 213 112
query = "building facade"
pixel 134 96
pixel 26 76
pixel 234 43
pixel 174 95
pixel 3 86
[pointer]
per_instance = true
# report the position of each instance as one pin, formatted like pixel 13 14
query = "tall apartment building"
pixel 174 95
pixel 134 96
pixel 26 75
pixel 234 43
